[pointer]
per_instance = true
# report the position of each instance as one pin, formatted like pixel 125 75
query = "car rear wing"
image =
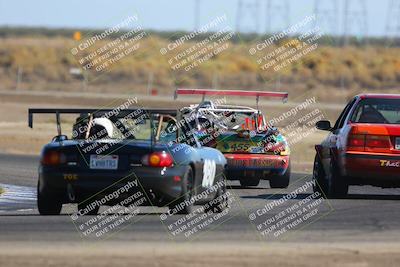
pixel 282 95
pixel 116 113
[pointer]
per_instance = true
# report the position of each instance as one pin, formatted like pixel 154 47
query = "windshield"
pixel 375 110
pixel 134 126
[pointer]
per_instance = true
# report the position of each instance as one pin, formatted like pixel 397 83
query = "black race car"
pixel 114 154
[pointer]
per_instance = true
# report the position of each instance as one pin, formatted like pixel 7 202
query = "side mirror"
pixel 323 125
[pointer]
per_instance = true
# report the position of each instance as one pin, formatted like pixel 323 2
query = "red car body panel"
pixel 375 159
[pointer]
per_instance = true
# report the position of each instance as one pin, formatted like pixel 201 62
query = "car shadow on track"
pixel 245 187
pixel 373 197
pixel 276 196
pixel 350 196
pixel 70 214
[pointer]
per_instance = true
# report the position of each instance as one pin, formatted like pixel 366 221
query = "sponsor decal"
pixel 252 162
pixel 70 176
pixel 388 163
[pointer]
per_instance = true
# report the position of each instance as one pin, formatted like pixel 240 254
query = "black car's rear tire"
pixel 183 205
pixel 48 205
pixel 249 182
pixel 319 177
pixel 337 185
pixel 281 181
pixel 220 201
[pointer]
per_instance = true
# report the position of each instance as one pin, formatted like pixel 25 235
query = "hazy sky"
pixel 172 14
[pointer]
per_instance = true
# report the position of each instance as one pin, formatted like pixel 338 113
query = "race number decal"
pixel 208 173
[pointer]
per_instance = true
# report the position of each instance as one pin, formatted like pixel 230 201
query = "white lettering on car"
pixel 209 168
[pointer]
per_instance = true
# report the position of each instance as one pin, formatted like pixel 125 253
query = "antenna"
pixel 248 17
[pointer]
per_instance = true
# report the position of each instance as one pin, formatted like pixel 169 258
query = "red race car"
pixel 362 148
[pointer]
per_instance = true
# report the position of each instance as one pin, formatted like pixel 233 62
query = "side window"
pixel 167 130
pixel 340 121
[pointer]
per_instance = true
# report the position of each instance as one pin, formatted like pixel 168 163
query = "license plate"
pixel 260 163
pixel 397 143
pixel 108 162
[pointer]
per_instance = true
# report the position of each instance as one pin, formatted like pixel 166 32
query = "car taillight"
pixel 356 142
pixel 158 159
pixel 363 142
pixel 53 158
pixel 377 141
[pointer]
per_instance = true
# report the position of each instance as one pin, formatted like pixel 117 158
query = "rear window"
pixel 375 110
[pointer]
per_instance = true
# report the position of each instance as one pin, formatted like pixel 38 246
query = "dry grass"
pixel 45 64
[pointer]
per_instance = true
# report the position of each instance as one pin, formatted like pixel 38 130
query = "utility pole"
pixel 196 14
pixel 355 16
pixel 392 30
pixel 19 78
pixel 150 83
pixel 327 13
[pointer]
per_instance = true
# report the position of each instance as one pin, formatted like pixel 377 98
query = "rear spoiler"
pixel 282 95
pixel 119 113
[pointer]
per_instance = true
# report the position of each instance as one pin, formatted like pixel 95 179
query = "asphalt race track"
pixel 369 214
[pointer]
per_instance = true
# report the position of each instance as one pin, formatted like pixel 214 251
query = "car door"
pixel 330 144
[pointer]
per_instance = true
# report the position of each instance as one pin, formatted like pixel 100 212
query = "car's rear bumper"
pixel 163 183
pixel 259 165
pixel 372 166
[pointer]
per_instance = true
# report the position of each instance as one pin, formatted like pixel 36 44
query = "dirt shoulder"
pixel 200 254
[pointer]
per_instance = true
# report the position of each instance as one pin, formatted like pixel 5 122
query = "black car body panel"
pixel 75 180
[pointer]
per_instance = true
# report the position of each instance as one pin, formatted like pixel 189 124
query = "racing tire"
pixel 48 205
pixel 319 178
pixel 183 205
pixel 337 186
pixel 281 181
pixel 83 205
pixel 220 201
pixel 249 182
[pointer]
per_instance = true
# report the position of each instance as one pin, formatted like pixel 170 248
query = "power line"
pixel 393 19
pixel 278 11
pixel 196 14
pixel 355 15
pixel 327 15
pixel 248 16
